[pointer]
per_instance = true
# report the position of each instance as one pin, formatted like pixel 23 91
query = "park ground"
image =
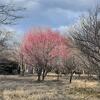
pixel 27 88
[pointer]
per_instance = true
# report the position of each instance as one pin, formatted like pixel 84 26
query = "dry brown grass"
pixel 26 88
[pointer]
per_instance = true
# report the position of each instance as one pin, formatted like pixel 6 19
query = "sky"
pixel 57 14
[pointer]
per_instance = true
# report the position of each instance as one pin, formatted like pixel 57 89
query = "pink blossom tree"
pixel 41 47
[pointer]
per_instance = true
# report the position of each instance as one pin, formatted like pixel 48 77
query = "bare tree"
pixel 87 38
pixel 17 56
pixel 73 65
pixel 4 37
pixel 9 13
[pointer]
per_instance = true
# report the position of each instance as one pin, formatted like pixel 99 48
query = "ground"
pixel 27 88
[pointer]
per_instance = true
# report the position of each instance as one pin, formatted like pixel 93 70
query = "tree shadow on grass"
pixel 10 81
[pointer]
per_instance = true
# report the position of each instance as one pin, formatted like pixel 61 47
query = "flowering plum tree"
pixel 41 47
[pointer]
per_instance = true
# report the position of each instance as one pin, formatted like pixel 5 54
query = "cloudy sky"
pixel 52 13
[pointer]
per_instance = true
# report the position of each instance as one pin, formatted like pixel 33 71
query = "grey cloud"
pixel 74 5
pixel 54 13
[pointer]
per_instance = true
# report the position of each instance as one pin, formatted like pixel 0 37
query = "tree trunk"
pixel 39 72
pixel 71 76
pixel 44 74
pixel 58 75
pixel 99 75
pixel 39 77
pixel 18 70
pixel 22 72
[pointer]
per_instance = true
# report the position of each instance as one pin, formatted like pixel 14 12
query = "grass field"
pixel 27 88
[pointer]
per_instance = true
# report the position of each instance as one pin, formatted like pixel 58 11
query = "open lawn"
pixel 27 88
